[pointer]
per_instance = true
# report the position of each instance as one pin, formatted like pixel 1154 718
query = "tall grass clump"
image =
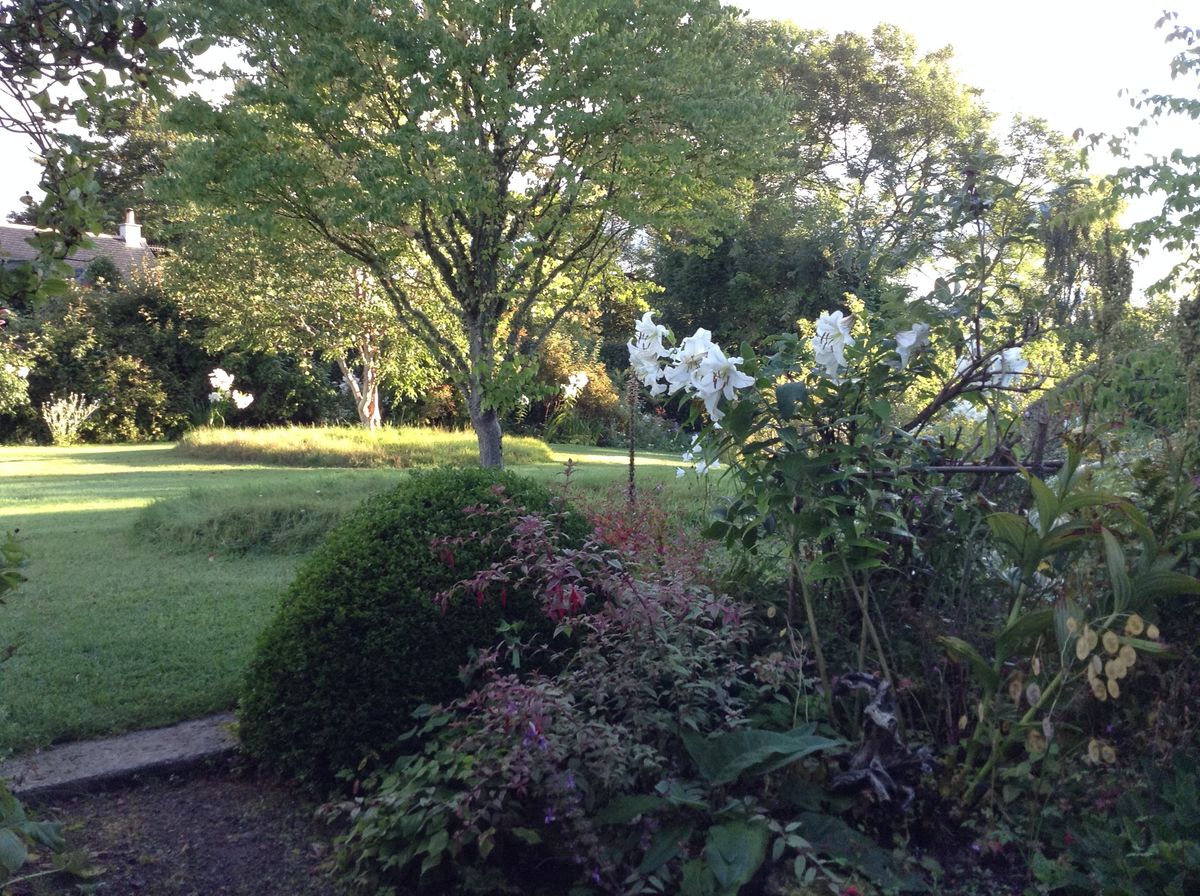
pixel 400 447
pixel 262 520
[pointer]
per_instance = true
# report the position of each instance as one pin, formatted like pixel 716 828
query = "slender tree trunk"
pixel 486 423
pixel 365 392
pixel 487 429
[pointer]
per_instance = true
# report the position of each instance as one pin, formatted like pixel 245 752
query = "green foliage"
pixel 877 136
pixel 591 416
pixel 359 643
pixel 1148 844
pixel 132 349
pixel 12 558
pixel 1070 621
pixel 17 831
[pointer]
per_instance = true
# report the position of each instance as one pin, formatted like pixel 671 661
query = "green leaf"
pixel 625 809
pixel 12 851
pixel 735 851
pixel 530 836
pixel 1117 573
pixel 1163 581
pixel 1047 504
pixel 1023 629
pixel 788 396
pixel 837 839
pixel 665 846
pixel 724 758
pixel 697 880
pixel 960 649
pixel 1015 536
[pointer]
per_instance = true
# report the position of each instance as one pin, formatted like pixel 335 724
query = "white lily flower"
pixel 575 384
pixel 685 374
pixel 832 337
pixel 220 380
pixel 214 397
pixel 679 473
pixel 650 335
pixel 1007 368
pixel 911 340
pixel 241 400
pixel 647 369
pixel 721 378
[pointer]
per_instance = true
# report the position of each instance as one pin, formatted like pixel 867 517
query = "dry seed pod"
pixel 1111 642
pixel 1134 625
pixel 1114 689
pixel 1047 729
pixel 1127 655
pixel 1099 690
pixel 1072 625
pixel 1091 637
pixel 1108 754
pixel 1037 666
pixel 1034 742
pixel 1152 632
pixel 1081 647
pixel 1093 750
pixel 1015 686
pixel 1122 669
pixel 1097 664
pixel 962 722
pixel 1110 669
pixel 1033 693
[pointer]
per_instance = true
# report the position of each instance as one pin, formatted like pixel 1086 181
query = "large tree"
pixel 879 135
pixel 297 295
pixel 484 160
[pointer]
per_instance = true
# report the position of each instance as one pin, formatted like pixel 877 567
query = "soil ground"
pixel 220 830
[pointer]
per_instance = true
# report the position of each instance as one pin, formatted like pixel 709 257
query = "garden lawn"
pixel 137 616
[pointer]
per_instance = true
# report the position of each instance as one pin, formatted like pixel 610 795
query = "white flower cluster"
pixel 696 367
pixel 695 456
pixel 575 384
pixel 222 385
pixel 21 370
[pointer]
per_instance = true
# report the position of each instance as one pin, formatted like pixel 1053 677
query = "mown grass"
pixel 401 447
pixel 151 573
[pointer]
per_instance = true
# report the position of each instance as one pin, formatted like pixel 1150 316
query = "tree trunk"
pixel 365 392
pixel 368 409
pixel 487 431
pixel 486 423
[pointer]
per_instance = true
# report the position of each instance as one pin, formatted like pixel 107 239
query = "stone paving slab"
pixel 80 766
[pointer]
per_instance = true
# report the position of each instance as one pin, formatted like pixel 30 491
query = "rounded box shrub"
pixel 358 642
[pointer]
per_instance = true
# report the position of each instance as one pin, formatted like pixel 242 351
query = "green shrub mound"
pixel 358 642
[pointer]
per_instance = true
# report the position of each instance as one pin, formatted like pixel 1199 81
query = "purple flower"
pixel 570 780
pixel 596 876
pixel 549 814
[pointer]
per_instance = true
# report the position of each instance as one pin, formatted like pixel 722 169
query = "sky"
pixel 1062 60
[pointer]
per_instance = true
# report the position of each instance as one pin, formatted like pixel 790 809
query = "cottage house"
pixel 127 250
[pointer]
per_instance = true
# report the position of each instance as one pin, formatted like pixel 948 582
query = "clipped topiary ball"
pixel 358 642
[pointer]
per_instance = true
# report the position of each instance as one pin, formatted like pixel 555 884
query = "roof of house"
pixel 14 246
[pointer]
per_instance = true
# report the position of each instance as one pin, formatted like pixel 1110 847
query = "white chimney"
pixel 131 231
